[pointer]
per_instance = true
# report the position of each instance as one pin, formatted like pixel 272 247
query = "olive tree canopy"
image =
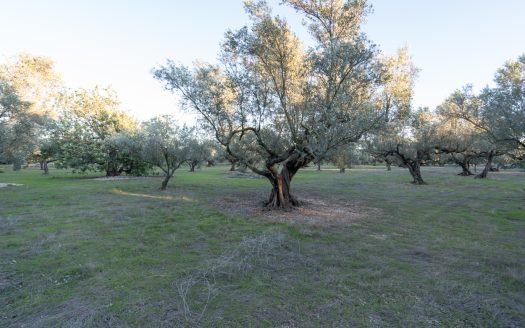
pixel 275 106
pixel 13 119
pixel 165 145
pixel 496 115
pixel 92 133
pixel 35 83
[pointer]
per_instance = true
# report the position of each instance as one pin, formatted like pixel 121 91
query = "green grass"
pixel 77 252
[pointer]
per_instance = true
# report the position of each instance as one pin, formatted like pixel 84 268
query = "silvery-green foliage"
pixel 270 100
pixel 165 145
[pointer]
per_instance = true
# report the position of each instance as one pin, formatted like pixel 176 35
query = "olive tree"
pixel 483 142
pixel 344 157
pixel 215 152
pixel 275 106
pixel 198 152
pixel 497 113
pixel 37 84
pixel 409 143
pixel 459 139
pixel 502 115
pixel 403 137
pixel 16 126
pixel 91 127
pixel 165 145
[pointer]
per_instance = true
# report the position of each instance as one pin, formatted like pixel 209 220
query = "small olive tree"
pixel 165 146
pixel 410 143
pixel 198 152
pixel 344 157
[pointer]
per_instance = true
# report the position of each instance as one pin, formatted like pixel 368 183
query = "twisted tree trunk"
pixel 232 160
pixel 112 172
pixel 164 184
pixel 169 174
pixel 415 170
pixel 465 171
pixel 193 165
pixel 484 173
pixel 388 164
pixel 412 163
pixel 17 166
pixel 281 196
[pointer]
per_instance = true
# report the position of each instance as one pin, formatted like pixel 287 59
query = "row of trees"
pixel 272 105
pixel 42 121
pixel 464 129
pixel 276 107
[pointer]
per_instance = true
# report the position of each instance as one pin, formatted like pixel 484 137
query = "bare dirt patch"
pixel 316 211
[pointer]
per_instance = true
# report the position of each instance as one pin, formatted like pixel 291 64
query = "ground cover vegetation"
pixel 88 239
pixel 77 251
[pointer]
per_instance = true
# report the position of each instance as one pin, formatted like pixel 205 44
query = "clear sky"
pixel 117 42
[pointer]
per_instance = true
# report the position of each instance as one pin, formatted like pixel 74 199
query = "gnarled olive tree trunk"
pixel 412 163
pixel 112 164
pixel 388 164
pixel 165 181
pixel 486 170
pixel 465 170
pixel 463 162
pixel 193 165
pixel 281 196
pixel 415 170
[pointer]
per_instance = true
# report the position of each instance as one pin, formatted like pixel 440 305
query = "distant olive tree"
pixel 404 137
pixel 124 154
pixel 91 130
pixel 410 143
pixel 215 152
pixel 345 157
pixel 496 113
pixel 164 145
pixel 198 152
pixel 468 108
pixel 464 143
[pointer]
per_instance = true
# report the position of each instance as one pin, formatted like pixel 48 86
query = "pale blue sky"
pixel 118 42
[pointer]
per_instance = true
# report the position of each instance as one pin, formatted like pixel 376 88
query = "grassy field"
pixel 368 249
